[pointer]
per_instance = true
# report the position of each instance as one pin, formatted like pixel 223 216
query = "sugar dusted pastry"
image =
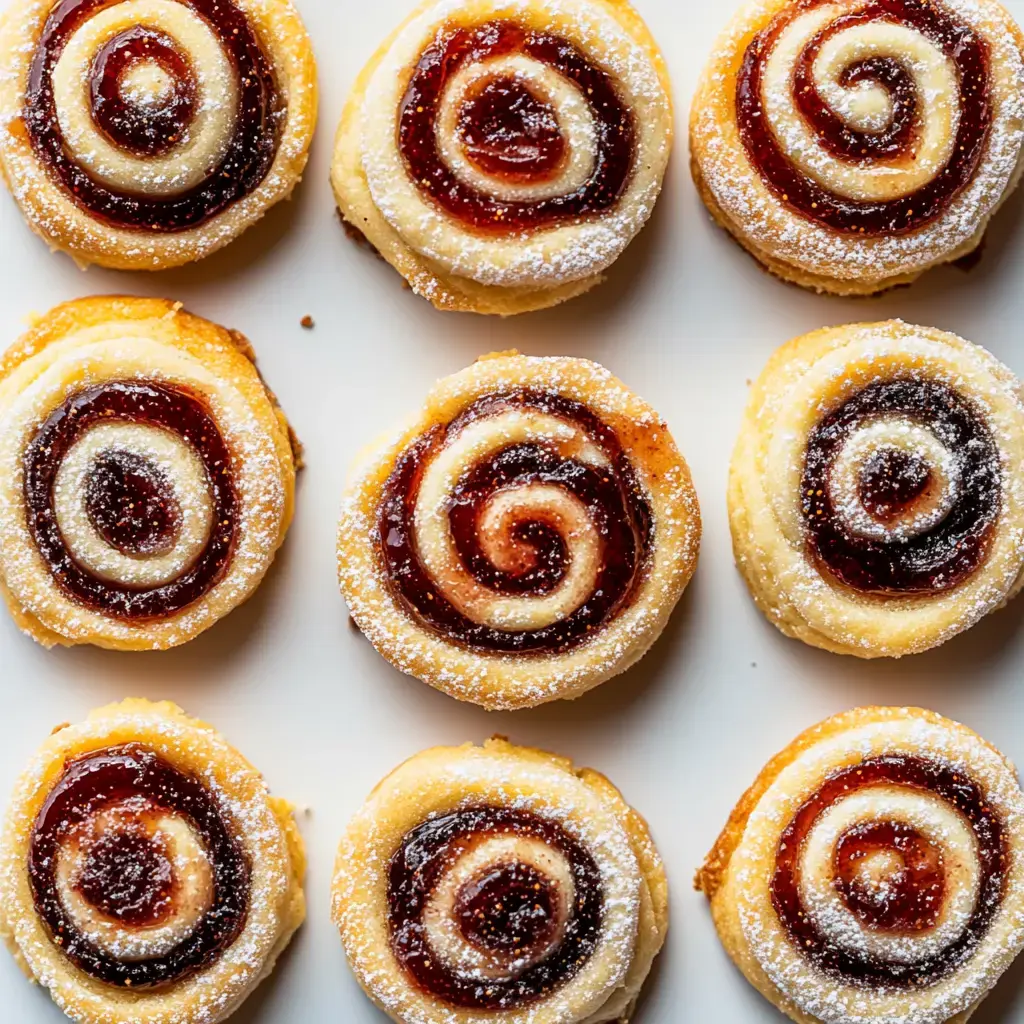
pixel 147 475
pixel 142 134
pixel 524 537
pixel 850 145
pixel 145 872
pixel 501 156
pixel 876 493
pixel 874 872
pixel 499 884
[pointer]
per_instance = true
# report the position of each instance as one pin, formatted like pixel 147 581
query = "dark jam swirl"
pixel 151 130
pixel 510 910
pixel 511 133
pixel 937 559
pixel 962 46
pixel 615 504
pixel 127 875
pixel 915 894
pixel 128 499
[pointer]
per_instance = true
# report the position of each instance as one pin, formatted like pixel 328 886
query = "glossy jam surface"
pixel 131 503
pixel 415 870
pixel 935 560
pixel 509 132
pixel 964 48
pixel 117 484
pixel 890 876
pixel 126 874
pixel 152 130
pixel 155 128
pixel 892 480
pixel 909 903
pixel 507 908
pixel 614 503
pixel 512 127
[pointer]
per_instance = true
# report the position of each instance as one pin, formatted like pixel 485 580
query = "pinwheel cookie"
pixel 147 475
pixel 876 494
pixel 850 145
pixel 142 134
pixel 499 884
pixel 874 872
pixel 501 156
pixel 525 537
pixel 145 873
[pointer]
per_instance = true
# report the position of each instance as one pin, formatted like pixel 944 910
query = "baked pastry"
pixel 524 537
pixel 145 872
pixel 499 883
pixel 849 145
pixel 147 475
pixel 876 495
pixel 874 872
pixel 502 158
pixel 142 134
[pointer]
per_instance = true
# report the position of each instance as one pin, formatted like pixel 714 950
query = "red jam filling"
pixel 126 873
pixel 964 48
pixel 144 130
pixel 508 910
pixel 128 498
pixel 511 131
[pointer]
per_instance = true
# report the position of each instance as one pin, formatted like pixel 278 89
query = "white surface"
pixel 685 320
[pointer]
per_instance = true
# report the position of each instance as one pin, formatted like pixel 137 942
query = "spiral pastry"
pixel 142 134
pixel 850 145
pixel 145 872
pixel 147 475
pixel 874 871
pixel 499 883
pixel 501 156
pixel 525 538
pixel 876 495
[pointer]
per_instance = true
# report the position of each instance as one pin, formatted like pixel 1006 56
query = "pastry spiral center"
pixel 509 129
pixel 131 503
pixel 135 871
pixel 890 876
pixel 866 116
pixel 902 487
pixel 492 908
pixel 518 527
pixel 143 92
pixel 153 115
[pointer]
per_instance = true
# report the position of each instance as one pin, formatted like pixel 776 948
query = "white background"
pixel 686 320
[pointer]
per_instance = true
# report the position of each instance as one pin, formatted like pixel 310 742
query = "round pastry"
pixel 874 872
pixel 849 145
pixel 142 134
pixel 501 158
pixel 147 475
pixel 524 538
pixel 499 884
pixel 145 873
pixel 876 495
